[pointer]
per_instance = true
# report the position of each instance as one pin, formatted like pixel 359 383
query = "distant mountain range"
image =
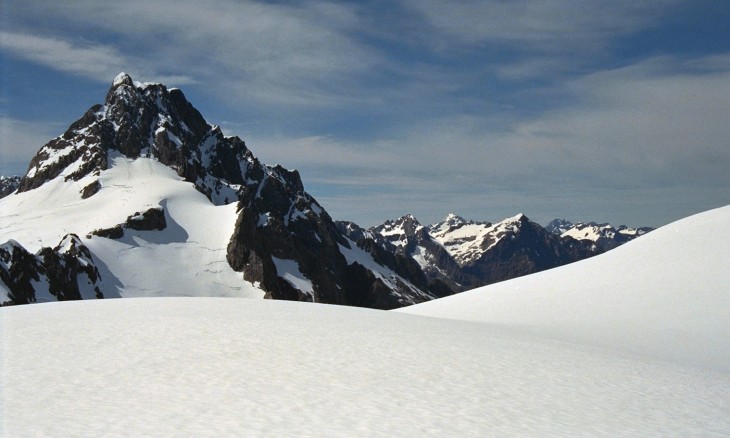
pixel 142 197
pixel 463 254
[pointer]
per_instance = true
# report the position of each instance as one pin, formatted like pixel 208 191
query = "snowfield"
pixel 188 258
pixel 217 366
pixel 575 351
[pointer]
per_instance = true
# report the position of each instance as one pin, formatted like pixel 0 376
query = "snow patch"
pixel 289 271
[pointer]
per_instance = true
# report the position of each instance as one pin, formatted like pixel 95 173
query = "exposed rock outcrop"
pixel 65 272
pixel 8 185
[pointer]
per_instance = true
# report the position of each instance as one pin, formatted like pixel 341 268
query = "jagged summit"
pixel 558 226
pixel 147 120
pixel 8 185
pixel 122 79
pixel 398 231
pixel 121 154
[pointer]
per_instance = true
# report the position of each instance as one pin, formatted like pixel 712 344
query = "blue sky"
pixel 589 110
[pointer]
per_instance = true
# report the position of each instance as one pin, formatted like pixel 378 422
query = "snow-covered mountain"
pixel 573 351
pixel 559 226
pixel 665 295
pixel 604 236
pixel 8 185
pixel 168 205
pixel 466 254
pixel 65 272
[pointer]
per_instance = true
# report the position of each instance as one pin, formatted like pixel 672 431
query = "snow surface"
pixel 591 232
pixel 188 258
pixel 173 367
pixel 630 343
pixel 665 296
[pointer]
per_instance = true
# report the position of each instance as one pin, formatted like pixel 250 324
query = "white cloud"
pixel 90 60
pixel 553 26
pixel 440 131
pixel 272 53
pixel 98 62
pixel 652 129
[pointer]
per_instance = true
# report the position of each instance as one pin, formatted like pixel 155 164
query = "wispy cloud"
pixel 272 52
pixel 653 127
pixel 548 26
pixel 427 104
pixel 98 62
pixel 90 60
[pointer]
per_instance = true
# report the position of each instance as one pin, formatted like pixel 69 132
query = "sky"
pixel 590 110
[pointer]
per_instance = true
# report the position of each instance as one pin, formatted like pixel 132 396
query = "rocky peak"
pixel 453 220
pixel 122 79
pixel 408 223
pixel 402 231
pixel 558 226
pixel 281 231
pixel 145 119
pixel 8 185
pixel 65 272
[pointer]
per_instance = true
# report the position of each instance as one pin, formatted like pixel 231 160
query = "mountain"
pixel 666 295
pixel 405 246
pixel 168 205
pixel 65 272
pixel 573 351
pixel 559 226
pixel 463 254
pixel 604 236
pixel 8 185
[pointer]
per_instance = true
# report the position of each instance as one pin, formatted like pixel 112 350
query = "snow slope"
pixel 188 258
pixel 224 367
pixel 665 296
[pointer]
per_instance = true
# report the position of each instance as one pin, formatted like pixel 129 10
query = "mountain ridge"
pixel 278 233
pixel 119 179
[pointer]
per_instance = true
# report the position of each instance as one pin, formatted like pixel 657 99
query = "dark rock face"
pixel 115 232
pixel 8 185
pixel 68 271
pixel 91 189
pixel 18 269
pixel 278 222
pixel 559 226
pixel 84 142
pixel 526 249
pixel 150 220
pixel 395 250
pixel 144 120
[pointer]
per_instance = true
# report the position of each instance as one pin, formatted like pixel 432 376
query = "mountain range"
pixel 141 196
